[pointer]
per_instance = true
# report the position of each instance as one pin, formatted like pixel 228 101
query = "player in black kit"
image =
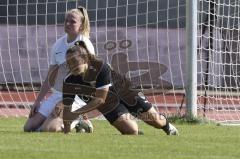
pixel 93 82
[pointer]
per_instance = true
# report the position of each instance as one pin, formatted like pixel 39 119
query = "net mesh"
pixel 143 39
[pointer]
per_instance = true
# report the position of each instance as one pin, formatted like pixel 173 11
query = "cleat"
pixel 169 129
pixel 172 130
pixel 84 126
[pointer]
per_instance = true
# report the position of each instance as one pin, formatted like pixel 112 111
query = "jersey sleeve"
pixel 104 77
pixel 52 56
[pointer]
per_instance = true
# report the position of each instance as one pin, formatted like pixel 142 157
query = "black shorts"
pixel 141 106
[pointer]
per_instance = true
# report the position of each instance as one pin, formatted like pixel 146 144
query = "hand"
pixel 58 110
pixel 34 108
pixel 68 118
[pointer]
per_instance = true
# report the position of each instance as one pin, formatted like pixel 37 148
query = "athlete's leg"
pixel 46 107
pixel 146 112
pixel 126 124
pixel 33 123
pixel 122 120
pixel 153 118
pixel 52 124
pixel 54 121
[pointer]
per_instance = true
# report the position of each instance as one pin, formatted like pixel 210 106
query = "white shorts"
pixel 48 105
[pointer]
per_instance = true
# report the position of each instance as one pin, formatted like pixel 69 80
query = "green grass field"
pixel 203 141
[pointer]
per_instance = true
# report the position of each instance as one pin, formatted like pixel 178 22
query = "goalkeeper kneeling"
pixel 94 84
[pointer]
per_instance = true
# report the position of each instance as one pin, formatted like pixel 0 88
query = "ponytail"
pixel 85 21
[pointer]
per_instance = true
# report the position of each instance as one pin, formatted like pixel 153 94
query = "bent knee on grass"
pixel 126 125
pixel 52 125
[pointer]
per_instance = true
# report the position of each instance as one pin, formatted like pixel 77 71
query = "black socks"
pixel 166 128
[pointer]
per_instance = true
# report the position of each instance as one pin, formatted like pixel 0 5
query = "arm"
pixel 69 116
pixel 98 100
pixel 104 101
pixel 98 95
pixel 47 84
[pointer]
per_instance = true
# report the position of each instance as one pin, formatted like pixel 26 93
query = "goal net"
pixel 143 39
pixel 218 60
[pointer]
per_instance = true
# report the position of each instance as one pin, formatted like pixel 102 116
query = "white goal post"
pixel 191 58
pixel 144 39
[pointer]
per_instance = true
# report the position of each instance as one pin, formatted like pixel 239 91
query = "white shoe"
pixel 84 125
pixel 172 130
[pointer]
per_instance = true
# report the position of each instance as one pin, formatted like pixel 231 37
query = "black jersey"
pixel 100 79
pixel 120 99
pixel 99 75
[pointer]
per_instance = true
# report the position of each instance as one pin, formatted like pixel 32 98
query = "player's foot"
pixel 84 125
pixel 169 129
pixel 172 130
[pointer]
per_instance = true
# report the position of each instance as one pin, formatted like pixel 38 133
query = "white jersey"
pixel 58 57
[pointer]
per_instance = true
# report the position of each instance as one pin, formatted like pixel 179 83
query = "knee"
pixel 130 129
pixel 27 128
pixel 52 129
pixel 56 128
pixel 133 131
pixel 126 125
pixel 51 126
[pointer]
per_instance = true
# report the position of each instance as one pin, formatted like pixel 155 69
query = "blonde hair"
pixel 82 12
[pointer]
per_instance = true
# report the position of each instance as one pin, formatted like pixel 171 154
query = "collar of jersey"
pixel 79 37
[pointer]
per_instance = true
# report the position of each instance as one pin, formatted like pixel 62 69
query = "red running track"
pixel 16 104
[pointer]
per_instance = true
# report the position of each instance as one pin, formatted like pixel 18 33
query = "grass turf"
pixel 202 141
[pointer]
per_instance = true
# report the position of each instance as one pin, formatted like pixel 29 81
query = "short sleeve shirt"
pixel 103 79
pixel 60 47
pixel 58 57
